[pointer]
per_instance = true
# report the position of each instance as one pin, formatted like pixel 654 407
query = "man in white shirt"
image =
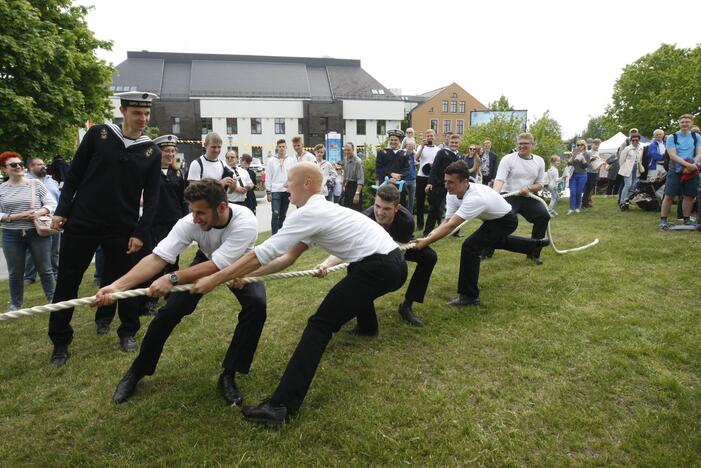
pixel 524 172
pixel 209 166
pixel 424 160
pixel 224 232
pixel 300 154
pixel 376 267
pixel 276 170
pixel 237 194
pixel 468 201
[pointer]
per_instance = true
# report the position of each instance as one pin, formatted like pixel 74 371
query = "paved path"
pixel 262 213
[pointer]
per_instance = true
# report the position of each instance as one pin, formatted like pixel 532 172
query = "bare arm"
pixel 282 261
pixel 440 232
pixel 498 184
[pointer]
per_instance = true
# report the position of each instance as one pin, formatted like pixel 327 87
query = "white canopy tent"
pixel 611 145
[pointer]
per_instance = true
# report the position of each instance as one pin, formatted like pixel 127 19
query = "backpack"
pixel 665 163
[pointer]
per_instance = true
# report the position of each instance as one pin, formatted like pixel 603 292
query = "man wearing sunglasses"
pixel 99 206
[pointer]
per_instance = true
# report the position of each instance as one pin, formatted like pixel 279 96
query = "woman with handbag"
pixel 25 206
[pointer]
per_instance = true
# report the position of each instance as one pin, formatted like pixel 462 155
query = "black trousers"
pixel 425 261
pixel 365 281
pixel 592 180
pixel 349 193
pixel 158 233
pixel 436 209
pixel 246 335
pixel 534 212
pixel 420 201
pixel 77 250
pixel 493 234
pixel 614 185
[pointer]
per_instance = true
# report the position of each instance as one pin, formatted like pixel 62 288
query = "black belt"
pixel 394 253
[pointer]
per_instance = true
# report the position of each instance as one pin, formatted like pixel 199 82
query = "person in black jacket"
pixel 99 206
pixel 393 163
pixel 436 187
pixel 489 163
pixel 399 223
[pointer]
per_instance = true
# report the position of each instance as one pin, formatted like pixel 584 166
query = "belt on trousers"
pixel 394 253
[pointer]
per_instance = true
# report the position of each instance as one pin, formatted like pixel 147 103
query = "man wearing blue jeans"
pixel 275 177
pixel 684 149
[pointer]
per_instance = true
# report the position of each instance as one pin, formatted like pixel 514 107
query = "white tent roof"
pixel 611 145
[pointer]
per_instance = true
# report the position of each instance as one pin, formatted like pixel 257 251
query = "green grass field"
pixel 590 359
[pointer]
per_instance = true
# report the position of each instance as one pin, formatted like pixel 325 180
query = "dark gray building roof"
pixel 181 76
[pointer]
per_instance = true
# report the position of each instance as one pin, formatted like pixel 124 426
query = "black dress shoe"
pixel 126 387
pixel 408 315
pixel 60 355
pixel 355 331
pixel 229 390
pixel 102 328
pixel 128 344
pixel 462 300
pixel 266 413
pixel 536 260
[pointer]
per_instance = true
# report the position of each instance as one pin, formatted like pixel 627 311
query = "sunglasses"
pixel 14 165
pixel 581 145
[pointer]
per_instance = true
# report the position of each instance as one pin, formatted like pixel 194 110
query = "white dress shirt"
pixel 276 170
pixel 243 179
pixel 222 245
pixel 345 233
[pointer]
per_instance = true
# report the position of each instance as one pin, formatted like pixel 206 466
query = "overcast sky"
pixel 562 56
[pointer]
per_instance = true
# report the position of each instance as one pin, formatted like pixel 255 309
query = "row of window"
pixel 448 126
pixel 257 126
pixel 454 107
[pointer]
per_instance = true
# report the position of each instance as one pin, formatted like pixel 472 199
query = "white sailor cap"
pixel 395 132
pixel 136 98
pixel 166 140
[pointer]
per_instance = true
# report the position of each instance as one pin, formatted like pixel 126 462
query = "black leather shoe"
pixel 60 355
pixel 229 390
pixel 408 315
pixel 128 344
pixel 462 300
pixel 126 387
pixel 536 260
pixel 102 328
pixel 355 331
pixel 266 413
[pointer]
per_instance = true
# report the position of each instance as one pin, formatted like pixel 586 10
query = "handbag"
pixel 42 223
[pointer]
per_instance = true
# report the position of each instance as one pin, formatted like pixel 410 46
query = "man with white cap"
pixel 99 206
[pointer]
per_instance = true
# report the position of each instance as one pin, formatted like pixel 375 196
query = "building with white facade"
pixel 252 101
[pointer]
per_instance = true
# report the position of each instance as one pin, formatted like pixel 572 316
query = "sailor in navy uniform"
pixel 99 206
pixel 393 163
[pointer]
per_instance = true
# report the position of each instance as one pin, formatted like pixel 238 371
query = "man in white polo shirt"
pixel 376 267
pixel 524 171
pixel 224 232
pixel 276 170
pixel 300 154
pixel 468 201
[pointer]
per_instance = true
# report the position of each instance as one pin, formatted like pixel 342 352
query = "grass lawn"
pixel 591 359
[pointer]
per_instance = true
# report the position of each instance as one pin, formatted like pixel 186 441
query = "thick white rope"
pixel 251 279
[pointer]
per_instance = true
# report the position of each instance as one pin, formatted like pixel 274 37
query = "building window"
pixel 300 126
pixel 431 110
pixel 256 126
pixel 381 127
pixel 454 95
pixel 460 127
pixel 445 106
pixel 175 125
pixel 206 125
pixel 323 125
pixel 257 151
pixel 453 106
pixel 279 126
pixel 360 127
pixel 462 107
pixel 446 126
pixel 434 125
pixel 232 126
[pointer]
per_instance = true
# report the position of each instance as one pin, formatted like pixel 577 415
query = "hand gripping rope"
pixel 251 279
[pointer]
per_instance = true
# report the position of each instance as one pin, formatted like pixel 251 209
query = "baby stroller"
pixel 646 194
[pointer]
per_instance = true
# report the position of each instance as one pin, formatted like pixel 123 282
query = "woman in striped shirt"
pixel 17 213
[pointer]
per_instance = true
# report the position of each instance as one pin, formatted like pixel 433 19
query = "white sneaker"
pixel 577 210
pixel 569 212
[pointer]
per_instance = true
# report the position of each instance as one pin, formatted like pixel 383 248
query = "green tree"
pixel 656 89
pixel 501 104
pixel 501 131
pixel 51 82
pixel 547 134
pixel 601 126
